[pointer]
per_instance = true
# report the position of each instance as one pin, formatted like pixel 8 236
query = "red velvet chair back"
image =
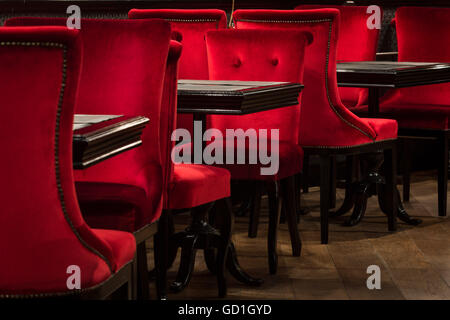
pixel 422 36
pixel 42 231
pixel 123 73
pixel 324 120
pixel 263 55
pixel 169 112
pixel 356 43
pixel 192 25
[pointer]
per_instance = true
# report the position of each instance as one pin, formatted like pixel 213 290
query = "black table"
pixel 376 76
pixel 203 97
pixel 99 137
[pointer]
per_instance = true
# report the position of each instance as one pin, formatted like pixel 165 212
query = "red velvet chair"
pixel 423 111
pixel 263 56
pixel 203 190
pixel 356 43
pixel 191 25
pixel 124 64
pixel 327 127
pixel 42 232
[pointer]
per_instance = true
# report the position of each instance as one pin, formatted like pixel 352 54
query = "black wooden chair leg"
pixel 134 281
pixel 325 163
pixel 255 210
pixel 406 156
pixel 143 288
pixel 288 196
pixel 442 174
pixel 161 245
pixel 333 177
pixel 275 203
pixel 305 171
pixel 226 227
pixel 298 196
pixel 390 166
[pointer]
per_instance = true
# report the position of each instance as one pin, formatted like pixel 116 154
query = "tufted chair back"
pixel 356 43
pixel 263 55
pixel 191 26
pixel 324 120
pixel 422 36
pixel 42 231
pixel 123 74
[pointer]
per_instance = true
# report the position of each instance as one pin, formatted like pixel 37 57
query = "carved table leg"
pixel 188 252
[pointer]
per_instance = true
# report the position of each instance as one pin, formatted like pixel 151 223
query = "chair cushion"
pixel 110 215
pixel 416 116
pixel 107 194
pixel 195 184
pixel 123 245
pixel 384 128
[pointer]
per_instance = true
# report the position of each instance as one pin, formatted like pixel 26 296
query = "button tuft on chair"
pixel 275 61
pixel 237 62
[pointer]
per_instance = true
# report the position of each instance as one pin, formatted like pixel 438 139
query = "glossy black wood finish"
pixel 215 240
pixel 106 139
pixel 391 74
pixel 229 97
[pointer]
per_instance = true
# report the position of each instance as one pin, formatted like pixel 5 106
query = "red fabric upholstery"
pixel 356 43
pixel 122 244
pixel 190 185
pixel 193 185
pixel 123 72
pixel 324 121
pixel 42 231
pixel 191 27
pixel 419 116
pixel 422 36
pixel 265 55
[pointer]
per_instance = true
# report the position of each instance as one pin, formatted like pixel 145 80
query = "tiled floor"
pixel 414 261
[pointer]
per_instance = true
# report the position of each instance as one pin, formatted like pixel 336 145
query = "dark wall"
pixel 119 9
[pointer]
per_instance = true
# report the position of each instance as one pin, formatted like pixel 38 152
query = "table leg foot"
pixel 360 206
pixel 237 272
pixel 401 212
pixel 347 205
pixel 187 262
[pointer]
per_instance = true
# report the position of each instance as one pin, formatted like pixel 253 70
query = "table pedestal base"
pixel 357 193
pixel 219 251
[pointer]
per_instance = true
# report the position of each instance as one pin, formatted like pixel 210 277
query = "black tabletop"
pixel 99 137
pixel 391 74
pixel 235 97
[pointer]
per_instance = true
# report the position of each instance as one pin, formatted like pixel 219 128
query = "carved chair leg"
pixel 288 196
pixel 255 210
pixel 390 166
pixel 324 196
pixel 275 203
pixel 143 289
pixel 443 174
